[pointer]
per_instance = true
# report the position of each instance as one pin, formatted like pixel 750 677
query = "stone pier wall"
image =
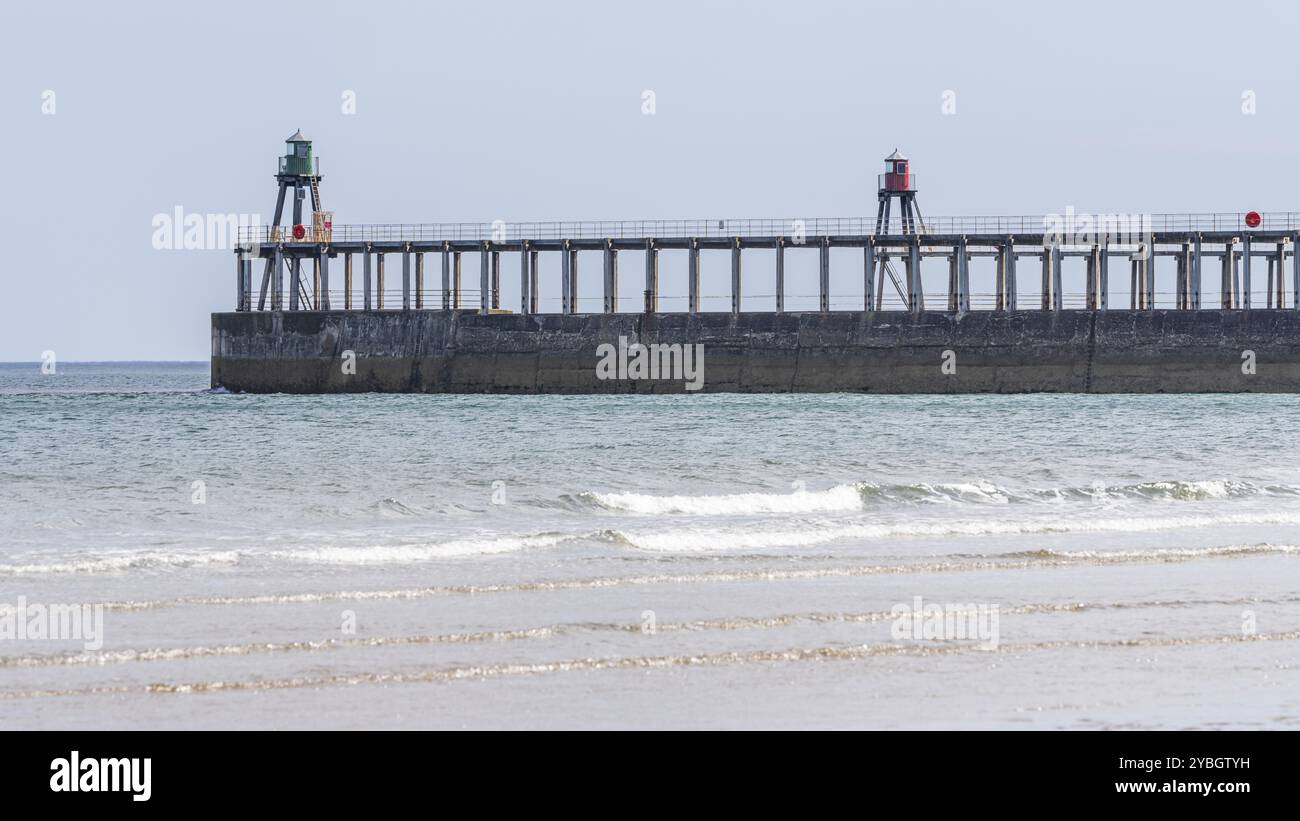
pixel 877 352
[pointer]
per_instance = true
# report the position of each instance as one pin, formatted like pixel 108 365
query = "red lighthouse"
pixel 897 177
pixel 899 182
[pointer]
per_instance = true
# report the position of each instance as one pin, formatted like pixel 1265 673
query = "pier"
pixel 1214 260
pixel 894 248
pixel 1074 302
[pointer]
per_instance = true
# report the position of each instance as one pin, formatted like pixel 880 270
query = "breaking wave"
pixel 120 562
pixel 806 534
pixel 861 495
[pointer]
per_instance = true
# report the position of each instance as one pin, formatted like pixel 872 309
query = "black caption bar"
pixel 147 771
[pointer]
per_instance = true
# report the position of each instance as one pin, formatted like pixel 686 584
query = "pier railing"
pixel 1069 222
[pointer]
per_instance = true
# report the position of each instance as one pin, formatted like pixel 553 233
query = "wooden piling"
pixel 868 274
pixel 963 276
pixel 496 280
pixel 446 276
pixel 824 276
pixel 419 281
pixel 456 281
pixel 525 281
pixel 406 278
pixel 735 276
pixel 915 286
pixel 533 290
pixel 780 275
pixel 611 278
pixel 323 262
pixel 566 299
pixel 347 281
pixel 1245 272
pixel 651 277
pixel 485 280
pixel 693 277
pixel 277 279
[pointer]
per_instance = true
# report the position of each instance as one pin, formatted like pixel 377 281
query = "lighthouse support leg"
pixel 266 283
pixel 868 274
pixel 915 290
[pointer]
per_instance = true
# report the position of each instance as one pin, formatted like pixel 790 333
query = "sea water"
pixel 692 561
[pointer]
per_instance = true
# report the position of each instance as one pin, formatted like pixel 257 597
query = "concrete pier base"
pixel 1151 351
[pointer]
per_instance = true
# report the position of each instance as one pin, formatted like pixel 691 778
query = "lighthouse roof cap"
pixel 298 137
pixel 895 156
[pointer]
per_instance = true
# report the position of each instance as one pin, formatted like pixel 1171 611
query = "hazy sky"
pixel 533 111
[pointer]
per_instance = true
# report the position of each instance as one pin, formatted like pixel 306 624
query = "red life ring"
pixel 1253 219
pixel 299 232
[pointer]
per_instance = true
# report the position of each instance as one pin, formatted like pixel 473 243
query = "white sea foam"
pixel 838 498
pixel 118 562
pixel 857 496
pixel 683 540
pixel 411 553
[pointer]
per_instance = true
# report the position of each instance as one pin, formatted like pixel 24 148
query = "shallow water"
pixel 649 561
